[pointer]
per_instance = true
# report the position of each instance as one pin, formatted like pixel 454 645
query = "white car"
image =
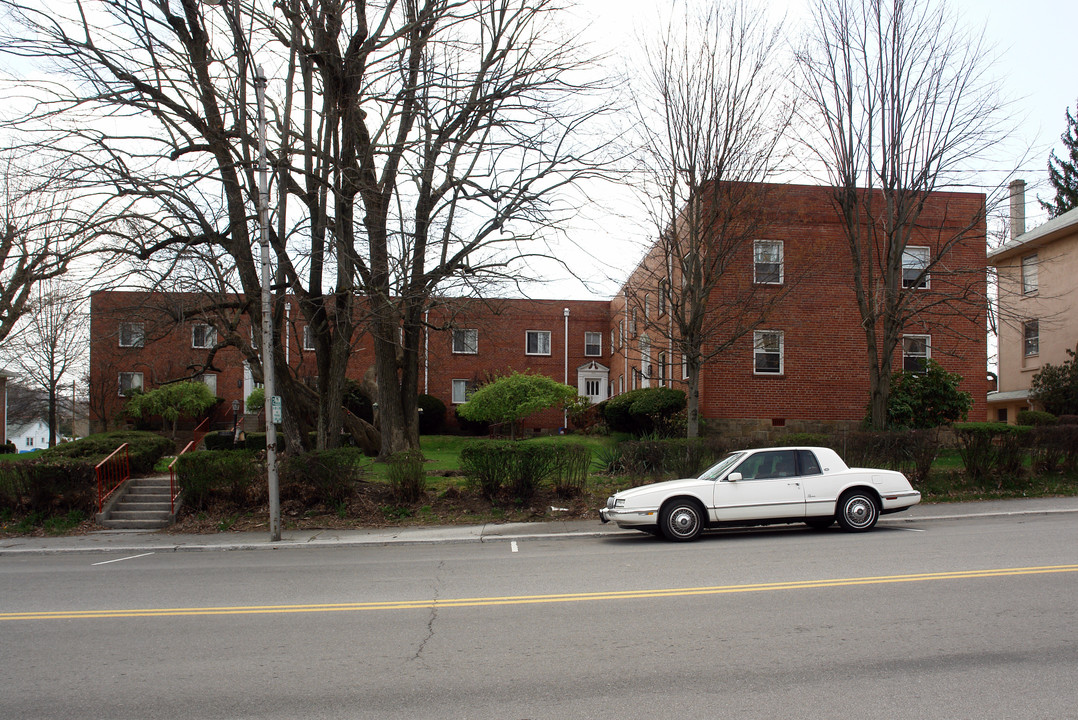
pixel 759 487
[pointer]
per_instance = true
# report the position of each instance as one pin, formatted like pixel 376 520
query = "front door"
pixel 769 488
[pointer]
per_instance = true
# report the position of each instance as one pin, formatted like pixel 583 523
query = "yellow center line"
pixel 533 599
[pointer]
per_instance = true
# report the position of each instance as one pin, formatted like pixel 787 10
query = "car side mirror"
pixel 733 477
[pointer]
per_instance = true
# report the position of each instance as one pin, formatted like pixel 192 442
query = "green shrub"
pixel 330 476
pixel 432 417
pixel 144 448
pixel 927 399
pixel 517 468
pixel 1050 446
pixel 226 474
pixel 407 476
pixel 1035 417
pixel 679 457
pixel 990 447
pixel 49 483
pixel 219 441
pixel 644 411
pixel 570 472
pixel 484 467
pixel 8 448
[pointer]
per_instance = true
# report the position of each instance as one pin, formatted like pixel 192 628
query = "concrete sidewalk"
pixel 138 541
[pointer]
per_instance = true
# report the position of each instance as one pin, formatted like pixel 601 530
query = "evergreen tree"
pixel 1064 173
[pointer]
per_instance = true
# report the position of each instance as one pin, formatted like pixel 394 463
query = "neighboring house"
pixel 30 436
pixel 814 375
pixel 1036 289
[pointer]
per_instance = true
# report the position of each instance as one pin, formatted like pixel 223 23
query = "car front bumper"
pixel 629 518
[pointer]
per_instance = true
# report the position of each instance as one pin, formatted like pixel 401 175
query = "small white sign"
pixel 275 404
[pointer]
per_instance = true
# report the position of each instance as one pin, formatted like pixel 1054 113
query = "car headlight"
pixel 615 502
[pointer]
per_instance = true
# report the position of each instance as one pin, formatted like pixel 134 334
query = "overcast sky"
pixel 1034 44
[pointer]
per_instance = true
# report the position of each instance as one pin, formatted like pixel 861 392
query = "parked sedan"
pixel 759 487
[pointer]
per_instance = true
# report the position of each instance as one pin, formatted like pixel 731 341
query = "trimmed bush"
pixel 47 483
pixel 484 465
pixel 432 417
pixel 329 476
pixel 677 457
pixel 219 441
pixel 144 448
pixel 407 476
pixel 1035 417
pixel 517 468
pixel 987 447
pixel 228 474
pixel 644 411
pixel 570 473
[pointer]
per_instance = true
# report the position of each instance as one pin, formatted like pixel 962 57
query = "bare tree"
pixel 415 145
pixel 53 343
pixel 898 95
pixel 711 120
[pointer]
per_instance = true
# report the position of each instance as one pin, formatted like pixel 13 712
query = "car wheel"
pixel 857 511
pixel 820 523
pixel 682 520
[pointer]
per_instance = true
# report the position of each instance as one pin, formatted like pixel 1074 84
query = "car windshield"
pixel 719 469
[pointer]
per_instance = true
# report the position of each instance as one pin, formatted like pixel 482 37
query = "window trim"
pixel 1029 274
pixel 906 355
pixel 757 245
pixel 1033 323
pixel 757 339
pixel 453 384
pixel 538 333
pixel 120 383
pixel 208 341
pixel 597 344
pixel 136 342
pixel 926 280
pixel 465 334
pixel 307 341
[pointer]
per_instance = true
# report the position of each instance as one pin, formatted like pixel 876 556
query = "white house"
pixel 30 436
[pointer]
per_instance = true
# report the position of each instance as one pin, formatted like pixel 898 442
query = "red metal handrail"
pixel 111 473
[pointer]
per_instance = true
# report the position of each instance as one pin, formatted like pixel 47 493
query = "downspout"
pixel 565 412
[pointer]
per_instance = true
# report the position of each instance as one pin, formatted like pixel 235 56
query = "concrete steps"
pixel 144 505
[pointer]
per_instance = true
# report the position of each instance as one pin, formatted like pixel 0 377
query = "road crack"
pixel 433 617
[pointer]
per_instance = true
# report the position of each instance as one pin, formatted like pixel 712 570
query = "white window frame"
pixel 132 334
pixel 759 338
pixel 661 364
pixel 684 367
pixel 466 341
pixel 131 386
pixel 916 257
pixel 210 381
pixel 663 290
pixel 907 355
pixel 460 391
pixel 209 336
pixel 1031 342
pixel 762 259
pixel 538 334
pixel 1030 279
pixel 597 343
pixel 308 339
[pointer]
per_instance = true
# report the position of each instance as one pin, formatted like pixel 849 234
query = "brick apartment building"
pixel 815 373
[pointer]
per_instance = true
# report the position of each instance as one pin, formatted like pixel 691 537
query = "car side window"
pixel 772 464
pixel 809 465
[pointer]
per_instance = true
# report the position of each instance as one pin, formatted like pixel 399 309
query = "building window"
pixel 131 334
pixel 684 367
pixel 466 342
pixel 593 344
pixel 537 342
pixel 632 324
pixel 647 308
pixel 209 381
pixel 29 442
pixel 1029 275
pixel 203 336
pixel 462 390
pixel 914 264
pixel 916 350
pixel 662 368
pixel 591 387
pixel 663 291
pixel 621 333
pixel 130 382
pixel 767 352
pixel 613 339
pixel 1001 415
pixel 308 338
pixel 1031 338
pixel 768 261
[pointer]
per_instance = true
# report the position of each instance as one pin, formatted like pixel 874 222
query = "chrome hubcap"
pixel 859 511
pixel 683 521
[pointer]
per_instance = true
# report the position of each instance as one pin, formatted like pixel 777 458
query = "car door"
pixel 769 488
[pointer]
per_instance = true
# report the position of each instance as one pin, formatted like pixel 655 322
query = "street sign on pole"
pixel 276 412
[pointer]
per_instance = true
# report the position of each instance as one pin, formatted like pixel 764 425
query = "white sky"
pixel 1032 40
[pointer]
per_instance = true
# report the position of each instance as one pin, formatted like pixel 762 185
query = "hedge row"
pixel 498 467
pixel 680 457
pixel 48 484
pixel 144 448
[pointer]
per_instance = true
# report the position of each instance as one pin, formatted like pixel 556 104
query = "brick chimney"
pixel 1018 208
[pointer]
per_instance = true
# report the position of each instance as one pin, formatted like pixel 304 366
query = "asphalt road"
pixel 968 618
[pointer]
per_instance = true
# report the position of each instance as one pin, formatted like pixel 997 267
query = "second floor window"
pixel 914 264
pixel 308 338
pixel 767 351
pixel 466 341
pixel 537 342
pixel 1029 275
pixel 203 336
pixel 916 349
pixel 768 262
pixel 1031 338
pixel 131 334
pixel 593 344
